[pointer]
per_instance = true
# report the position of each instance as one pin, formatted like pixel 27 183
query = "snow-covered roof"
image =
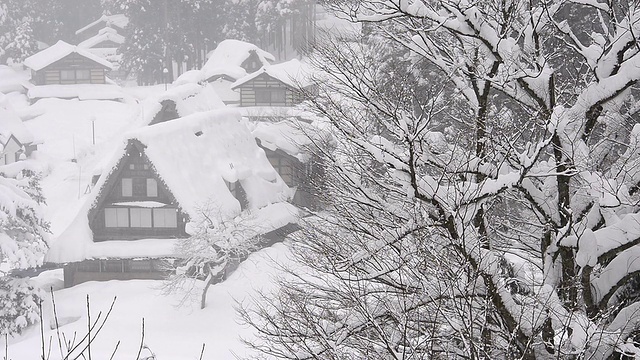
pixel 58 51
pixel 80 91
pixel 228 56
pixel 190 98
pixel 119 20
pixel 11 80
pixel 291 137
pixel 193 157
pixel 293 73
pixel 11 124
pixel 204 150
pixel 106 34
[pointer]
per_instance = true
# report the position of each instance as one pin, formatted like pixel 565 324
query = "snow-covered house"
pixel 281 84
pixel 65 64
pixel 106 38
pixel 233 59
pixel 161 183
pixel 180 101
pixel 117 22
pixel 287 144
pixel 56 68
pixel 228 62
pixel 16 142
pixel 105 44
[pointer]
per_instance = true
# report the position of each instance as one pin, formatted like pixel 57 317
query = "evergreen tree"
pixel 17 40
pixel 22 245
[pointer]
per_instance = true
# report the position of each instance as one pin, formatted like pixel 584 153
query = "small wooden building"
pixel 66 64
pixel 284 84
pixel 167 176
pixel 234 59
pixel 106 38
pixel 116 22
pixel 16 142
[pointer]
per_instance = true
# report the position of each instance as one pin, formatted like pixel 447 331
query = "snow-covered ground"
pixel 172 332
pixel 68 158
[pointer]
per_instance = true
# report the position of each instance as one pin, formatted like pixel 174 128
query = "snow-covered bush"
pixel 19 300
pixel 22 245
pixel 216 246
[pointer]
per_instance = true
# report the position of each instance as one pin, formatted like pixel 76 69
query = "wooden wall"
pixel 114 269
pixel 52 74
pixel 134 166
pixel 250 92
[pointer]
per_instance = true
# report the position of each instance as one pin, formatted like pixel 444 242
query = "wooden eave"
pixel 84 57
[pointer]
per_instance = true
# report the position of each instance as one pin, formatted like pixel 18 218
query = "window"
pixel 67 74
pixel 284 168
pixel 140 217
pixel 165 218
pixel 83 74
pixel 152 188
pixel 127 187
pixel 77 76
pixel 270 96
pixel 278 96
pixel 139 187
pixel 116 217
pixel 263 96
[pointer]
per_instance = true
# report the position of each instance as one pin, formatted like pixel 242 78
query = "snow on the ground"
pixel 171 332
pixel 67 129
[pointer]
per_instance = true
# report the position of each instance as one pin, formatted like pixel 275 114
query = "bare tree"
pixel 483 195
pixel 215 248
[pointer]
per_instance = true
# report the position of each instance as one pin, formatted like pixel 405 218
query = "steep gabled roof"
pixel 228 56
pixel 119 20
pixel 193 156
pixel 59 51
pixel 106 34
pixel 203 151
pixel 293 73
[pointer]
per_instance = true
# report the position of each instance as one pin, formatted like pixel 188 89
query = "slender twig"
pixel 96 332
pixel 141 341
pixel 6 346
pixel 114 350
pixel 55 318
pixel 88 328
pixel 41 327
pixel 202 352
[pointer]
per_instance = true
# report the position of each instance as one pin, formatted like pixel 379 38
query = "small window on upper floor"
pixel 152 188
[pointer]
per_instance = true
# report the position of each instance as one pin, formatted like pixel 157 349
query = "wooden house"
pixel 106 38
pixel 283 84
pixel 163 182
pixel 116 22
pixel 105 45
pixel 65 64
pixel 16 142
pixel 233 59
